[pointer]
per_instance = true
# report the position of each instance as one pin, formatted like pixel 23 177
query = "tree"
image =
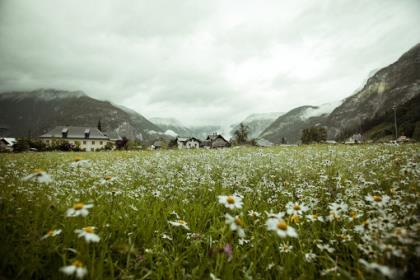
pixel 314 134
pixel 241 134
pixel 122 143
pixel 99 125
pixel 21 145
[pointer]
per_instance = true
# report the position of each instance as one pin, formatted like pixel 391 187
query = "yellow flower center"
pixel 38 172
pixel 377 198
pixel 50 232
pixel 282 225
pixel 182 222
pixel 353 214
pixel 108 178
pixel 78 206
pixel 230 199
pixel 295 219
pixel 77 159
pixel 315 216
pixel 238 221
pixel 77 263
pixel 296 207
pixel 89 229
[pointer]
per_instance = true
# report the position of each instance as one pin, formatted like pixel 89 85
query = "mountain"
pixel 368 111
pixel 291 124
pixel 171 126
pixel 371 107
pixel 35 112
pixel 257 123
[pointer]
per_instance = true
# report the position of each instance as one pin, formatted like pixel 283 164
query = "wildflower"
pixel 231 201
pixel 280 227
pixel 180 223
pixel 296 208
pixel 336 210
pixel 253 213
pixel 235 224
pixel 314 218
pixel 213 277
pixel 79 209
pixel 374 267
pixel 76 267
pixel 39 176
pixel 51 233
pixel 326 247
pixel 107 180
pixel 285 248
pixel 377 200
pixel 165 236
pixel 228 250
pixel 88 233
pixel 79 162
pixel 310 257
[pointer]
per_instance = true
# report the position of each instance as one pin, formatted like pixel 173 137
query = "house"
pixel 354 139
pixel 7 143
pixel 156 145
pixel 404 139
pixel 188 143
pixel 215 141
pixel 88 138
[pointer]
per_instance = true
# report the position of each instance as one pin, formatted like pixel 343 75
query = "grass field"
pixel 330 212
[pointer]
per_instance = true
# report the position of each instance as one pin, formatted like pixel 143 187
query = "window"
pixel 84 142
pixel 100 142
pixel 93 142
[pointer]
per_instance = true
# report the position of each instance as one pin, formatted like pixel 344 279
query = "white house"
pixel 188 143
pixel 88 138
pixel 7 143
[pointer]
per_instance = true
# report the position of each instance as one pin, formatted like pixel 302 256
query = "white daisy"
pixel 231 201
pixel 235 224
pixel 180 223
pixel 295 208
pixel 88 233
pixel 79 162
pixel 280 227
pixel 75 268
pixel 378 200
pixel 51 233
pixel 39 176
pixel 79 209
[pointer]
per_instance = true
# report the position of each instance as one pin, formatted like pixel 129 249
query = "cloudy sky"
pixel 203 62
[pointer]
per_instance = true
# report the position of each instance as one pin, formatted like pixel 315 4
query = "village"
pixel 90 139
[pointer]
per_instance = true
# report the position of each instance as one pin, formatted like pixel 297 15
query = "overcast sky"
pixel 203 62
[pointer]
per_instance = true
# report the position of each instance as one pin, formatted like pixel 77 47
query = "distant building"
pixel 331 142
pixel 263 143
pixel 188 143
pixel 404 139
pixel 156 145
pixel 7 143
pixel 88 138
pixel 215 141
pixel 354 139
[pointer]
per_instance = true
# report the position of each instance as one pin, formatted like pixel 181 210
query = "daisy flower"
pixel 374 267
pixel 39 176
pixel 51 233
pixel 79 209
pixel 180 223
pixel 314 218
pixel 377 200
pixel 79 162
pixel 235 224
pixel 76 267
pixel 107 180
pixel 231 201
pixel 280 227
pixel 294 208
pixel 88 233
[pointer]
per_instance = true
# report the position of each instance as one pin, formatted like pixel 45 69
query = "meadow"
pixel 316 211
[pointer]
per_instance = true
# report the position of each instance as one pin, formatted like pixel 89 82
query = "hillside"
pixel 395 84
pixel 257 123
pixel 34 113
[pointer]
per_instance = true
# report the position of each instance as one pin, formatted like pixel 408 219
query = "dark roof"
pixel 213 137
pixel 113 135
pixel 75 132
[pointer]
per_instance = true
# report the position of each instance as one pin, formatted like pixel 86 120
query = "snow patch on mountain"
pixel 323 109
pixel 263 116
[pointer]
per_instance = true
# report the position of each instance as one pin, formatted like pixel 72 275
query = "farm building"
pixel 88 138
pixel 216 141
pixel 7 143
pixel 188 143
